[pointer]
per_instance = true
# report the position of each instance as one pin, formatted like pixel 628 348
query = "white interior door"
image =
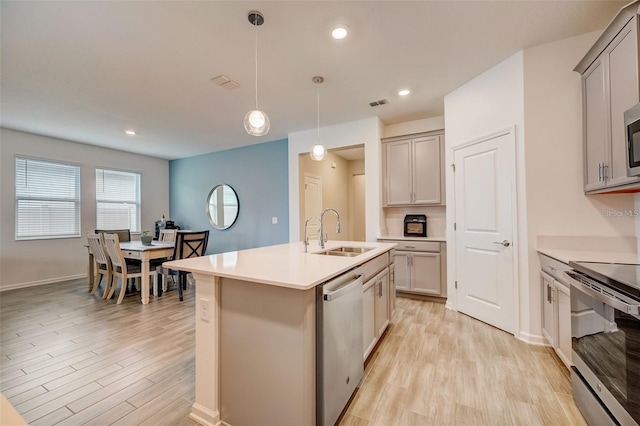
pixel 485 222
pixel 312 203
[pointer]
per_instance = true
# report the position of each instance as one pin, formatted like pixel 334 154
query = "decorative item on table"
pixel 145 238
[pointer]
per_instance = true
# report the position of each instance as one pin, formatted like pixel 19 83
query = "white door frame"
pixel 452 302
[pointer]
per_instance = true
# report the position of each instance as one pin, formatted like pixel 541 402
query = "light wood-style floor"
pixel 438 367
pixel 68 357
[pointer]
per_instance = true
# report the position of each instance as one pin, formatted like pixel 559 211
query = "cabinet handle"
pixel 380 289
pixel 605 170
pixel 599 172
pixel 548 293
pixel 406 246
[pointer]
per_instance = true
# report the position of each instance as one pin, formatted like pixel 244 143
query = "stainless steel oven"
pixel 605 329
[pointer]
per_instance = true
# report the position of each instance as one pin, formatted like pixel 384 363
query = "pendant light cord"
pixel 318 108
pixel 255 24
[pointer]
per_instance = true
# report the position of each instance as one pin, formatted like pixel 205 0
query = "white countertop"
pixel 284 265
pixel 565 256
pixel 403 238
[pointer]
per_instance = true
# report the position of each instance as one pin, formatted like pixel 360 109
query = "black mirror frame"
pixel 207 204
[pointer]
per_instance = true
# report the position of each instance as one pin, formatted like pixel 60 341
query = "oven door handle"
pixel 618 304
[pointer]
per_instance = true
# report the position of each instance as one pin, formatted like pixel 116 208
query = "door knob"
pixel 503 242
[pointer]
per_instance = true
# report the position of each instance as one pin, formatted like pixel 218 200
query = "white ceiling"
pixel 87 70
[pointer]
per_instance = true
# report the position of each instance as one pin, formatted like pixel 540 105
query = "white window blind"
pixel 118 200
pixel 47 199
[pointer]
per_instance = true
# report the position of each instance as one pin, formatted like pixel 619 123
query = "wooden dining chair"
pixel 188 244
pixel 120 269
pixel 123 234
pixel 167 235
pixel 96 245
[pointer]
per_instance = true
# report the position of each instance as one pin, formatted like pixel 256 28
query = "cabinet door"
pixel 426 170
pixel 623 87
pixel 402 274
pixel 548 308
pixel 368 317
pixel 594 125
pixel 382 302
pixel 398 170
pixel 563 338
pixel 392 290
pixel 425 273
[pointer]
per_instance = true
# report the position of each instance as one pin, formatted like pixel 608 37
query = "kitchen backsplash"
pixel 394 219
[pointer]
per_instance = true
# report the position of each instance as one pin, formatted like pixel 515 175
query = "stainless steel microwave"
pixel 632 124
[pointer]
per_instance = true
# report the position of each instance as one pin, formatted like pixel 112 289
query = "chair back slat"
pixel 112 244
pixel 190 244
pixel 96 246
pixel 167 235
pixel 123 234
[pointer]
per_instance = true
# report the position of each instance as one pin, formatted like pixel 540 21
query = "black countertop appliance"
pixel 415 225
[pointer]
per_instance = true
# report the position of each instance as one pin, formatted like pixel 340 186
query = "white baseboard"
pixel 533 339
pixel 42 282
pixel 205 416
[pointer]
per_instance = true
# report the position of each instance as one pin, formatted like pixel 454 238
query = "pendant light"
pixel 318 152
pixel 256 122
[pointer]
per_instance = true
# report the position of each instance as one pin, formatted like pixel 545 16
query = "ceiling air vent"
pixel 224 81
pixel 379 102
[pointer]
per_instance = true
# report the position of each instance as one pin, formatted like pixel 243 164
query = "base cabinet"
pixel 369 316
pixel 556 316
pixel 376 303
pixel 420 268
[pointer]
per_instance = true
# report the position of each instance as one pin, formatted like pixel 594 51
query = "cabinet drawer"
pixel 132 254
pixel 553 267
pixel 372 267
pixel 432 246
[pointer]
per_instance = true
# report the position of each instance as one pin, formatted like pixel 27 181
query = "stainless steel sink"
pixel 345 251
pixel 358 250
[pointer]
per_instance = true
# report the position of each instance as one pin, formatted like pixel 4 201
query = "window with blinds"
pixel 47 199
pixel 117 200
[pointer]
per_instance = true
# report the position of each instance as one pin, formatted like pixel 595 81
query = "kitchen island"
pixel 256 329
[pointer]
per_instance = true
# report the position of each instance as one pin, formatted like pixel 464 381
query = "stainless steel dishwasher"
pixel 339 366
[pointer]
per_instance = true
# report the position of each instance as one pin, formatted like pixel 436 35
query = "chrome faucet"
pixel 306 239
pixel 323 236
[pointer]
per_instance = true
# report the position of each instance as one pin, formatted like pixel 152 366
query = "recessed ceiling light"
pixel 340 32
pixel 130 132
pixel 404 92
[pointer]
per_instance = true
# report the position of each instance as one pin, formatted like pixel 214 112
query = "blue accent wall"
pixel 258 173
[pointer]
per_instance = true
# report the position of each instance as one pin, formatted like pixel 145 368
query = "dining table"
pixel 144 253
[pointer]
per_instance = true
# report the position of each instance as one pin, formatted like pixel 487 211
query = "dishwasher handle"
pixel 339 291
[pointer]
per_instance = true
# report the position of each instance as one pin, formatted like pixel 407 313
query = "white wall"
pixel 537 91
pixel 489 103
pixel 367 132
pixel 413 127
pixel 24 263
pixel 556 203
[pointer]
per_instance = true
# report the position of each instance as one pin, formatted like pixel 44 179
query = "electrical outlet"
pixel 205 314
pixel 274 220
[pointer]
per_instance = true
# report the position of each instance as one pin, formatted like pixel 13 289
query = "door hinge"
pixel 453 166
pixel 456 284
pixel 454 226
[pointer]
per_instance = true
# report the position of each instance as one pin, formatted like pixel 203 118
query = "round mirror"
pixel 222 206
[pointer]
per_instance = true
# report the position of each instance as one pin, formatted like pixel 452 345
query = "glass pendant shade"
pixel 256 123
pixel 318 152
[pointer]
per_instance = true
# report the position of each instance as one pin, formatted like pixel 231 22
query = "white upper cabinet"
pixel 609 88
pixel 413 171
